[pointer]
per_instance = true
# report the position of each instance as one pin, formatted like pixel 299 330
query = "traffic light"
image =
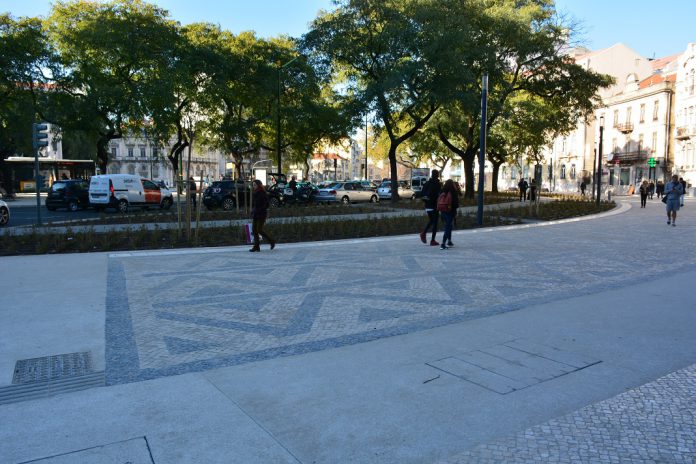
pixel 39 135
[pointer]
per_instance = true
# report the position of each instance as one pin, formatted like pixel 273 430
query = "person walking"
pixel 681 199
pixel 523 186
pixel 651 189
pixel 673 192
pixel 259 213
pixel 533 190
pixel 192 191
pixel 447 204
pixel 644 189
pixel 660 189
pixel 583 186
pixel 430 194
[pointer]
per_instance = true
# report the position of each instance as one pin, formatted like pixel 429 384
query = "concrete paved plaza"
pixel 570 341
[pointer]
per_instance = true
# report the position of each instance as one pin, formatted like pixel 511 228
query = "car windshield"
pixel 58 186
pixel 335 185
pixel 385 184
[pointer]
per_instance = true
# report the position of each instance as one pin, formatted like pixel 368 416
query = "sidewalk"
pixel 381 350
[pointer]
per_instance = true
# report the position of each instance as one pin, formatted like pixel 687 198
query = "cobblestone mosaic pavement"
pixel 172 313
pixel 654 423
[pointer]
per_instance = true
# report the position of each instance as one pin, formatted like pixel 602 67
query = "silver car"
pixel 384 190
pixel 346 193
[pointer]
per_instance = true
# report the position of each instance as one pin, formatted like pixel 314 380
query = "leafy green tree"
pixel 112 57
pixel 380 50
pixel 519 45
pixel 24 53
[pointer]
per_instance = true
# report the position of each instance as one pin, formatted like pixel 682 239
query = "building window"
pixel 616 118
pixel 130 155
pixel 654 142
pixel 114 151
pixel 131 169
pixel 513 172
pixel 642 112
pixel 628 115
pixel 572 171
pixel 142 151
pixel 691 82
pixel 563 171
pixel 614 145
pixel 155 152
pixel 656 110
pixel 640 143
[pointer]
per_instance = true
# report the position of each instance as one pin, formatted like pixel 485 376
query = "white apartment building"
pixel 685 114
pixel 138 155
pixel 571 158
pixel 638 123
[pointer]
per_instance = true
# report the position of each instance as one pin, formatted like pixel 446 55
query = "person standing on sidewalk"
pixel 192 191
pixel 644 190
pixel 430 194
pixel 259 213
pixel 447 205
pixel 683 183
pixel 673 192
pixel 523 186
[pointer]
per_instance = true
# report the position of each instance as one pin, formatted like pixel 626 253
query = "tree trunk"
pixel 394 173
pixel 469 188
pixel 103 152
pixel 496 170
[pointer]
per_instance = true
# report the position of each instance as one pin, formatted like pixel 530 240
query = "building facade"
pixel 685 116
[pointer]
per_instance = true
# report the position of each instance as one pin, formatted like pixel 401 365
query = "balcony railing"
pixel 686 132
pixel 625 127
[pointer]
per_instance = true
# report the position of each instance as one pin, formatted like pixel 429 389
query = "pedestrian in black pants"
pixel 429 194
pixel 523 185
pixel 259 213
pixel 192 191
pixel 644 189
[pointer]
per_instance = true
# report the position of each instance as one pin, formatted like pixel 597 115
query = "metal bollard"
pixel 609 195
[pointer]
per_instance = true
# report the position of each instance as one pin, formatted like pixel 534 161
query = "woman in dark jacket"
pixel 429 194
pixel 259 213
pixel 448 214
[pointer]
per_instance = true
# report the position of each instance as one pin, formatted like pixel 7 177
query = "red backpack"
pixel 444 202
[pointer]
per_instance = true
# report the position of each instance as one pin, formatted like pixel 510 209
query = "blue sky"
pixel 649 27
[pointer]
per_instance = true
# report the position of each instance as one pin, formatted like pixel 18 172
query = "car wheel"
pixel 345 200
pixel 274 203
pixel 166 203
pixel 4 216
pixel 122 206
pixel 73 206
pixel 228 204
pixel 374 199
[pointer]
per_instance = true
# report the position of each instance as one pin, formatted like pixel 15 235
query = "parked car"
pixel 4 213
pixel 72 194
pixel 121 191
pixel 225 194
pixel 280 194
pixel 405 191
pixel 346 193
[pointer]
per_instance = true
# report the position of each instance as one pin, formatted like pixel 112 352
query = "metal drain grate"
pixel 52 368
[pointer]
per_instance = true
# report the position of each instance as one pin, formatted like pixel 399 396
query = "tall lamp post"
pixel 278 134
pixel 366 178
pixel 599 160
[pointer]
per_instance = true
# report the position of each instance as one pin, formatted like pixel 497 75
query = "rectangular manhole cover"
pixel 134 451
pixel 52 368
pixel 512 365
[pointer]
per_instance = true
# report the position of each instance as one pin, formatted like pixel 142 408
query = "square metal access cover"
pixel 52 367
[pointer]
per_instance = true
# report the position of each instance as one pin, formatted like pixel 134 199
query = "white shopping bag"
pixel 249 233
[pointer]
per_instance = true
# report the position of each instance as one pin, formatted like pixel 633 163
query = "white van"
pixel 121 191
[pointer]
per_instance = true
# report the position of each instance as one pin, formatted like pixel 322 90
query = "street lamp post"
pixel 599 160
pixel 278 134
pixel 366 178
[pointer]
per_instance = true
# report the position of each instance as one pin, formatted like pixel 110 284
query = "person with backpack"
pixel 430 194
pixel 644 190
pixel 259 213
pixel 673 193
pixel 447 204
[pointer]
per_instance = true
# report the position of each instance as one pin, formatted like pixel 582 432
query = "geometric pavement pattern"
pixel 654 423
pixel 169 313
